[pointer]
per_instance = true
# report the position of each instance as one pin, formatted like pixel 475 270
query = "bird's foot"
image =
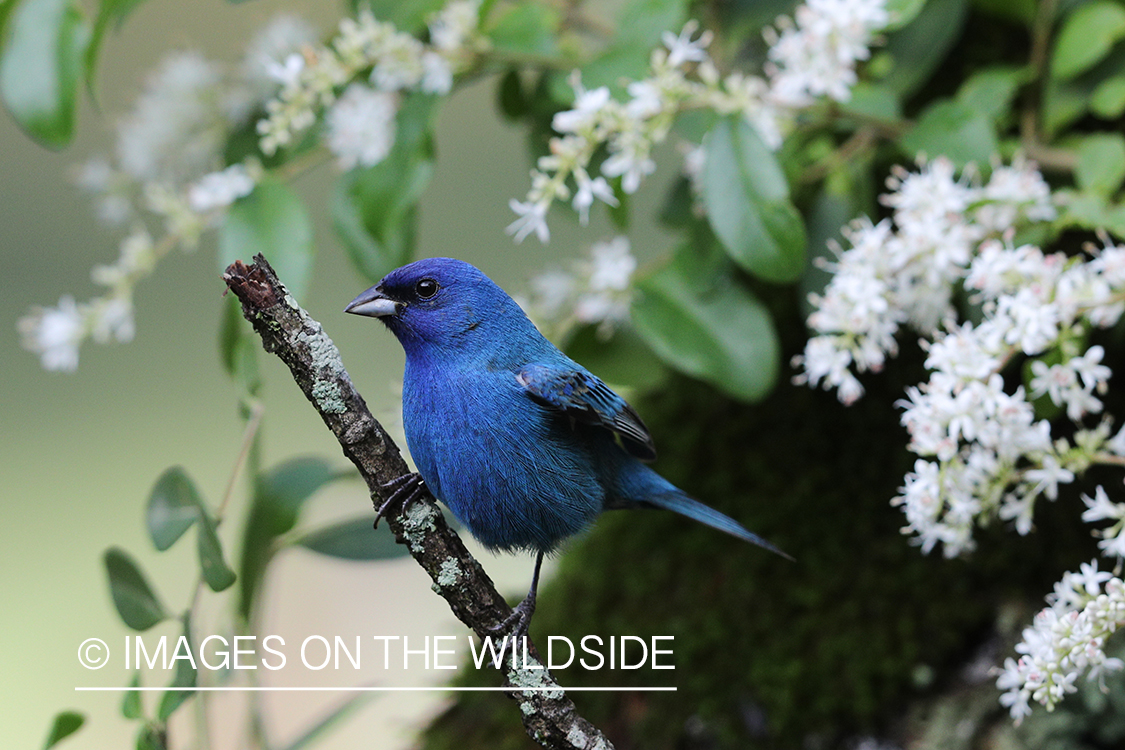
pixel 514 627
pixel 517 623
pixel 404 490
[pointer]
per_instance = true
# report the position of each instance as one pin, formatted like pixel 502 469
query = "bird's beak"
pixel 372 303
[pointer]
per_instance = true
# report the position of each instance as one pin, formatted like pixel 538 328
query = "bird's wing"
pixel 585 398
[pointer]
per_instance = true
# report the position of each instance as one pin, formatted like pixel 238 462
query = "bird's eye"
pixel 426 288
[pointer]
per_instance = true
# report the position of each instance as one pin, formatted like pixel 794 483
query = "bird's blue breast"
pixel 508 468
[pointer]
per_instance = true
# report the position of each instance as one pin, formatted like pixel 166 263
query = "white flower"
pixel 220 189
pixel 682 49
pixel 1101 508
pixel 437 75
pixel 612 265
pixel 629 159
pixel 1013 193
pixel 399 63
pixel 1090 578
pixel 587 191
pixel 112 320
pixel 647 100
pixel 455 24
pixel 360 127
pixel 54 334
pixel 552 291
pixel 815 54
pixel 596 290
pixel 1065 640
pixel 273 55
pixel 177 127
pixel 288 71
pixel 532 218
pixel 136 259
pixel 1047 478
pixel 587 109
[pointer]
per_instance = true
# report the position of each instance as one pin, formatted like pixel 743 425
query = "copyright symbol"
pixel 93 653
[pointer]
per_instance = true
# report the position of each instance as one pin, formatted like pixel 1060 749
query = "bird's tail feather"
pixel 697 511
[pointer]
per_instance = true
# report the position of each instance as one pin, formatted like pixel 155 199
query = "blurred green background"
pixel 81 451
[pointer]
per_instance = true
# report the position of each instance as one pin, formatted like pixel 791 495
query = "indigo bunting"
pixel 524 445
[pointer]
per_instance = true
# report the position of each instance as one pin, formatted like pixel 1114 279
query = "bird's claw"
pixel 404 490
pixel 514 627
pixel 518 622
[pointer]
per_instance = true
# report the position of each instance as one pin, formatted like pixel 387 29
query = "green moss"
pixel 772 653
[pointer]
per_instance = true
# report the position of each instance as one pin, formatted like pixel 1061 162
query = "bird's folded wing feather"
pixel 585 398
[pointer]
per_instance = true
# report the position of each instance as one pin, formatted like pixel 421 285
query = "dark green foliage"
pixel 771 653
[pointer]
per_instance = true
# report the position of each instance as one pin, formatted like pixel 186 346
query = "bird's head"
pixel 438 302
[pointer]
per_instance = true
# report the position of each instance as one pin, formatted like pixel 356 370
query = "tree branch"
pixel 549 716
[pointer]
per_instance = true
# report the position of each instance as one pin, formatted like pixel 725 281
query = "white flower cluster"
pixel 905 270
pixel 360 123
pixel 982 452
pixel 55 333
pixel 815 56
pixel 168 165
pixel 815 53
pixel 597 290
pixel 1065 640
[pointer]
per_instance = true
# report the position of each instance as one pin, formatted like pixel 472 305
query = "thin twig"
pixel 1031 135
pixel 549 716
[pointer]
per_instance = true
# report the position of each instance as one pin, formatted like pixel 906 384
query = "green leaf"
pixel 525 29
pixel 354 539
pixel 677 211
pixel 278 496
pixel 721 334
pixel 6 8
pixel 216 572
pixel 132 596
pixel 640 26
pixel 830 212
pixel 875 101
pixel 1108 101
pixel 1063 104
pixel 110 12
pixel 954 130
pixel 66 723
pixel 131 701
pixel 1086 37
pixel 184 677
pixel 286 487
pixel 1101 163
pixel 621 359
pixel 152 737
pixel 230 333
pixel 272 221
pixel 747 201
pixel 902 12
pixel 238 347
pixel 920 47
pixel 1020 11
pixel 374 209
pixel 173 506
pixel 990 91
pixel 42 66
pixel 407 15
pixel 510 98
pixel 1089 210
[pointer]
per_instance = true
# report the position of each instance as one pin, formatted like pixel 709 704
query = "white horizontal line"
pixel 435 689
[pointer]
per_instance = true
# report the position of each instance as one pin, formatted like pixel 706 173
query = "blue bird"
pixel 524 445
